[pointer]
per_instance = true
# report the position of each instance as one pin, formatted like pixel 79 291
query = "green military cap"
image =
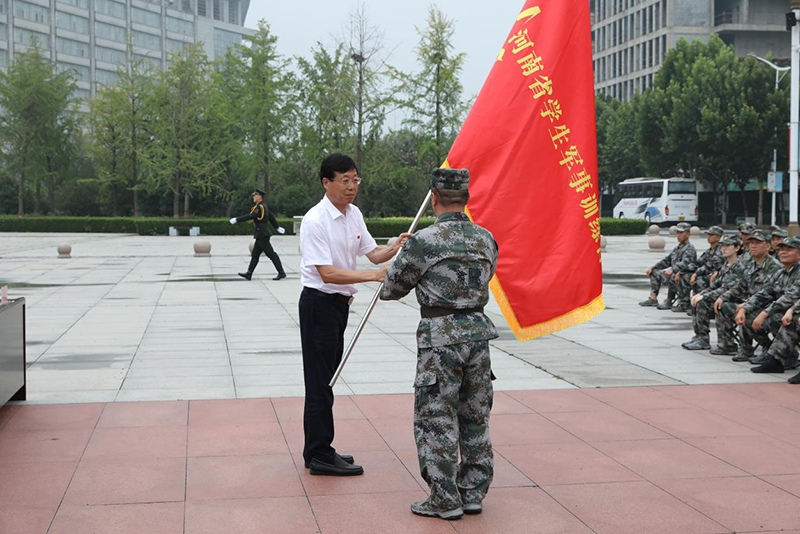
pixel 759 235
pixel 793 242
pixel 450 179
pixel 747 228
pixel 730 240
pixel 684 227
pixel 780 233
pixel 715 230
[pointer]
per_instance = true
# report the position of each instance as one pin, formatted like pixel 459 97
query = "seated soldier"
pixel 761 314
pixel 669 271
pixel 758 268
pixel 745 230
pixel 729 274
pixel 707 264
pixel 777 236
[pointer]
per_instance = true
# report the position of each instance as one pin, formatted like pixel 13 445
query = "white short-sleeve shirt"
pixel 329 238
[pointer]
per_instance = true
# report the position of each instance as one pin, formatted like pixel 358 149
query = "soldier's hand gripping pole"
pixel 374 301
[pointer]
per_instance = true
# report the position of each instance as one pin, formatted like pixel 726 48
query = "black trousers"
pixel 262 245
pixel 322 324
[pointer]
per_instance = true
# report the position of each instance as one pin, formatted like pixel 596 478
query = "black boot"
pixel 247 276
pixel 280 276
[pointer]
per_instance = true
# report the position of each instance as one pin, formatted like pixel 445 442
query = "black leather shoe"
pixel 339 468
pixel 346 457
pixel 280 276
pixel 246 276
pixel 770 366
pixel 795 379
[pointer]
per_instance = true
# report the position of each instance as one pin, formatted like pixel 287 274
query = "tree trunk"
pixel 186 207
pixel 724 203
pixel 37 201
pixel 760 219
pixel 134 171
pixel 744 201
pixel 176 196
pixel 114 210
pixel 52 188
pixel 21 193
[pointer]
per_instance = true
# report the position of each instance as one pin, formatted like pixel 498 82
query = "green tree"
pixel 433 96
pixel 107 117
pixel 268 105
pixel 181 155
pixel 34 101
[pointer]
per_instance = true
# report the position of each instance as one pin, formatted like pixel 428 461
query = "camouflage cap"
pixel 774 227
pixel 793 242
pixel 759 235
pixel 715 230
pixel 730 240
pixel 258 191
pixel 684 227
pixel 780 233
pixel 747 228
pixel 450 179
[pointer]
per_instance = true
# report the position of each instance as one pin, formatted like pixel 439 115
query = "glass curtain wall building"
pixel 631 37
pixel 90 37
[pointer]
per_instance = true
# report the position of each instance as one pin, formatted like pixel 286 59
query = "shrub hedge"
pixel 387 227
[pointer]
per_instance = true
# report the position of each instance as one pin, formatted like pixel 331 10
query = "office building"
pixel 631 37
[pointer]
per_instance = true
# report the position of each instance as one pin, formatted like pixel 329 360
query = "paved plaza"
pixel 133 318
pixel 165 397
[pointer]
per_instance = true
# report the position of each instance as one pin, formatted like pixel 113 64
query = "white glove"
pixel 233 221
pixel 281 230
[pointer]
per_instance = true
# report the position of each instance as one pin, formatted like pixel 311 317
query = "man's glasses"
pixel 347 181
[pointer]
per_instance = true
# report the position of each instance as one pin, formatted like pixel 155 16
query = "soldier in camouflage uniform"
pixel 777 235
pixel 450 265
pixel 762 313
pixel 707 264
pixel 782 353
pixel 670 271
pixel 745 230
pixel 758 269
pixel 729 275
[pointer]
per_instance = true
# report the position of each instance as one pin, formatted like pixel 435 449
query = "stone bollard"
pixel 202 249
pixel 64 251
pixel 656 244
pixel 653 229
pixel 673 230
pixel 603 243
pixel 251 245
pixel 694 230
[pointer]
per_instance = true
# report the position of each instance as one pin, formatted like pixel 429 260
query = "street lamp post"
pixel 778 77
pixel 792 18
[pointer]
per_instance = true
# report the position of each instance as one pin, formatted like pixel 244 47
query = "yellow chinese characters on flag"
pixel 530 145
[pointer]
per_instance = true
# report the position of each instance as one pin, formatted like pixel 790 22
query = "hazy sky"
pixel 480 28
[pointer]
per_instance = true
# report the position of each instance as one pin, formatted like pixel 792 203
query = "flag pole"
pixel 375 297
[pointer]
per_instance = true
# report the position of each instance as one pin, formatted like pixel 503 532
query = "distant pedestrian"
pixel 260 215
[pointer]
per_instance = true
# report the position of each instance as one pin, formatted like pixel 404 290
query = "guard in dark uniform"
pixel 260 215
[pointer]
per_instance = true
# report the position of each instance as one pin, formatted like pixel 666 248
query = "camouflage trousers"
pixel 701 322
pixel 453 400
pixel 784 346
pixel 771 326
pixel 727 335
pixel 658 278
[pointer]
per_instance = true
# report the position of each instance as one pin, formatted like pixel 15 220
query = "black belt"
pixel 429 312
pixel 338 297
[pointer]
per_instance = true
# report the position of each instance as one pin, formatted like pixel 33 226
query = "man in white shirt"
pixel 333 235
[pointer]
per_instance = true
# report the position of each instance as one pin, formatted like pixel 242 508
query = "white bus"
pixel 657 200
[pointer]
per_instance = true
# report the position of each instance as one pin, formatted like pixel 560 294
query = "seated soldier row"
pixel 748 284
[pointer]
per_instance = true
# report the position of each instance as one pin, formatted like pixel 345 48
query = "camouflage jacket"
pixel 679 259
pixel 449 264
pixel 709 262
pixel 730 274
pixel 754 277
pixel 779 293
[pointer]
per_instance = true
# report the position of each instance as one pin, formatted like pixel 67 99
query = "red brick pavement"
pixel 666 459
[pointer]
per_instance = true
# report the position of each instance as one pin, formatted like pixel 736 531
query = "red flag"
pixel 530 145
